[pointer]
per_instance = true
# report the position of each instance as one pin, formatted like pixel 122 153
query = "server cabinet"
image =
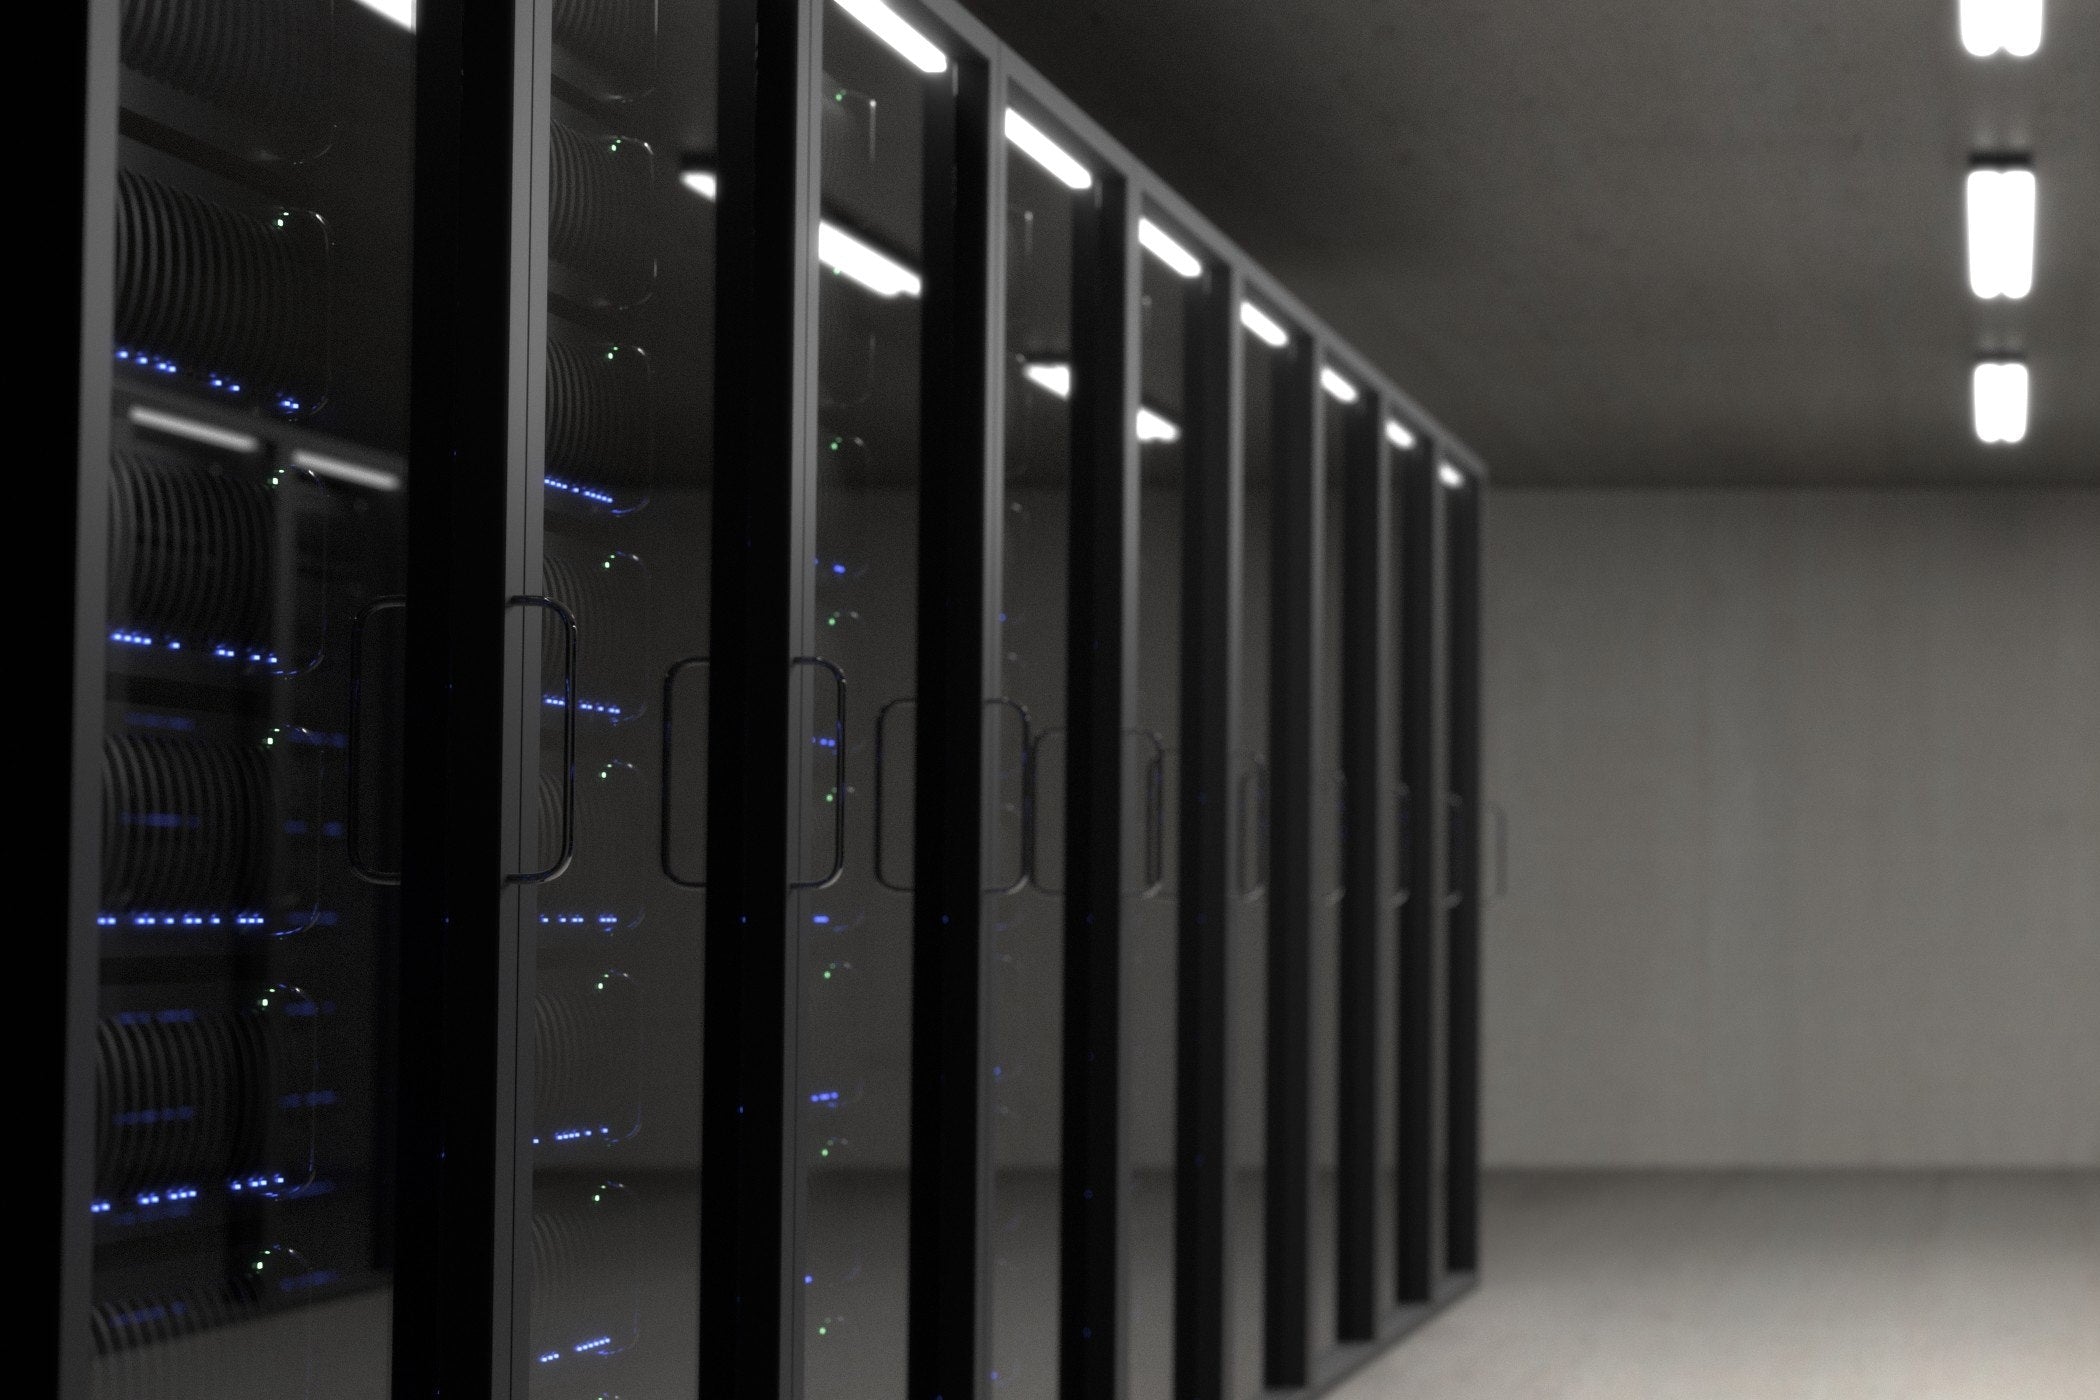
pixel 245 480
pixel 992 950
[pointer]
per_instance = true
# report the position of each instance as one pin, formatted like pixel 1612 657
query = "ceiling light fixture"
pixel 2001 230
pixel 848 256
pixel 1397 434
pixel 2013 26
pixel 1338 388
pixel 1162 245
pixel 1265 329
pixel 1451 476
pixel 1054 375
pixel 700 182
pixel 889 26
pixel 1045 152
pixel 2001 392
pixel 1153 428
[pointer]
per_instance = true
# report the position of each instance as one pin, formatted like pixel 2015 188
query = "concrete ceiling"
pixel 1634 241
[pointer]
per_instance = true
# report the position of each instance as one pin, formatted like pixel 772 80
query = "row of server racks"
pixel 745 719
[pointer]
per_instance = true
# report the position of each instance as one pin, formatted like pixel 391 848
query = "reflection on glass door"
pixel 608 1258
pixel 1328 835
pixel 1252 788
pixel 248 926
pixel 1168 293
pixel 856 698
pixel 1027 871
pixel 1396 819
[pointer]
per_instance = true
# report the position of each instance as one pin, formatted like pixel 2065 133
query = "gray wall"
pixel 1805 803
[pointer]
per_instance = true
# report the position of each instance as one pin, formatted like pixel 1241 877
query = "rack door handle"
pixel 882 741
pixel 568 740
pixel 1498 820
pixel 353 739
pixel 1020 880
pixel 1155 830
pixel 1254 829
pixel 838 787
pixel 1403 843
pixel 671 677
pixel 1455 876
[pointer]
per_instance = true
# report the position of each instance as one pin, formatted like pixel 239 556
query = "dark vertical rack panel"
pixel 1092 1283
pixel 1292 891
pixel 1204 1220
pixel 1365 910
pixel 619 516
pixel 1153 755
pixel 948 1343
pixel 763 299
pixel 249 1007
pixel 1462 1209
pixel 1423 987
pixel 1027 869
pixel 1247 1051
pixel 1395 815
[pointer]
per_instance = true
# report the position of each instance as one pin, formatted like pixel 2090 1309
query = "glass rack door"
pixel 856 697
pixel 1027 872
pixel 249 923
pixel 614 927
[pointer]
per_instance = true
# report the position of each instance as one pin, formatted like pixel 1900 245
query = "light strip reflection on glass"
pixel 1162 245
pixel 1451 476
pixel 175 425
pixel 1338 388
pixel 1265 329
pixel 1052 375
pixel 1397 434
pixel 351 473
pixel 1045 152
pixel 849 257
pixel 889 26
pixel 1151 427
pixel 401 12
pixel 700 182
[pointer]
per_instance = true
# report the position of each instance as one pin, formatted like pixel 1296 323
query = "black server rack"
pixel 747 719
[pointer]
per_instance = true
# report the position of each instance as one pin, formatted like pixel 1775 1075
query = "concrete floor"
pixel 1753 1286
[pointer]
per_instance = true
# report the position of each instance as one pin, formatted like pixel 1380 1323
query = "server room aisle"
pixel 1764 1286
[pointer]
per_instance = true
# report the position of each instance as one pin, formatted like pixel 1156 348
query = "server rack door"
pixel 886 141
pixel 1467 817
pixel 1395 818
pixel 1329 868
pixel 1171 289
pixel 1252 793
pixel 619 521
pixel 1027 868
pixel 248 924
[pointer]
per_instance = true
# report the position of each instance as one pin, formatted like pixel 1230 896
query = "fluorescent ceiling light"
pixel 1050 374
pixel 1161 244
pixel 1397 434
pixel 1153 428
pixel 1045 152
pixel 1451 476
pixel 2001 388
pixel 1338 388
pixel 889 26
pixel 2001 231
pixel 848 256
pixel 2014 26
pixel 1265 330
pixel 176 426
pixel 351 473
pixel 401 12
pixel 700 182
